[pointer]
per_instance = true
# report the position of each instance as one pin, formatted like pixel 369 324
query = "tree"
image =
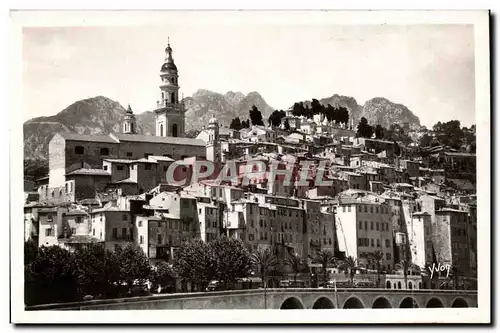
pixel 236 124
pixel 379 132
pixel 349 265
pixel 30 251
pixel 405 266
pixel 286 125
pixel 425 140
pixel 50 277
pixel 275 118
pixel 325 258
pixel 163 275
pixel 232 259
pixel 378 256
pixel 195 263
pixel 298 109
pixel 245 124
pixel 296 263
pixel 133 265
pixel 264 261
pixel 316 107
pixel 95 274
pixel 364 130
pixel 256 117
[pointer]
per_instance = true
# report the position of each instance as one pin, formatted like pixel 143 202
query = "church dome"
pixel 168 66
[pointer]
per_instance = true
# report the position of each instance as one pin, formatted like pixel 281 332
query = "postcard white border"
pixel 119 18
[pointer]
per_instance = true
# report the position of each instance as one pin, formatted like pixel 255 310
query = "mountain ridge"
pixel 100 115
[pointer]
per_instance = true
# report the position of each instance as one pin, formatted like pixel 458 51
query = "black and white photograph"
pixel 333 163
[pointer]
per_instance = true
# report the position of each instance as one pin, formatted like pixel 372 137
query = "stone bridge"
pixel 300 298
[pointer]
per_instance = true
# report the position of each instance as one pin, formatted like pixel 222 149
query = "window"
pixel 349 209
pixel 141 240
pixel 73 231
pixel 372 243
pixel 78 219
pixel 48 232
pixel 378 242
pixel 124 232
pixel 387 243
pixel 147 166
pixel 376 209
pixel 93 232
pixel 366 225
pixel 105 168
pixel 104 151
pixel 129 154
pixel 366 209
pixel 360 225
pixel 343 209
pixel 140 223
pixel 79 150
pixel 371 225
pixel 119 167
pixel 125 217
pixel 360 208
pixel 115 233
pixel 388 256
pixel 160 240
pixel 377 226
pixel 371 209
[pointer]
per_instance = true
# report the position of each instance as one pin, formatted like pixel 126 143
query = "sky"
pixel 428 68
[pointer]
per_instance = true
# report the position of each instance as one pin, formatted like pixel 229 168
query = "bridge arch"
pixel 408 302
pixel 459 302
pixel 323 303
pixel 434 303
pixel 291 303
pixel 381 303
pixel 353 303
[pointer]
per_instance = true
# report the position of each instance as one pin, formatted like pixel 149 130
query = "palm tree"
pixel 404 265
pixel 264 261
pixel 325 258
pixel 296 263
pixel 378 256
pixel 350 264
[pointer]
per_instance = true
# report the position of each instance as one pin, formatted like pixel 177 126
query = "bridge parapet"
pixel 286 298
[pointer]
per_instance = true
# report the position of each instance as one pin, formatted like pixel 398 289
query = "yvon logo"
pixel 440 268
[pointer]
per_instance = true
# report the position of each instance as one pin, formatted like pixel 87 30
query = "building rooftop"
pixel 161 158
pixel 118 160
pixel 75 213
pixel 90 172
pixel 158 139
pixel 90 138
pixel 126 181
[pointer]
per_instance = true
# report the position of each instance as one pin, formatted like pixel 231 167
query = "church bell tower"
pixel 170 112
pixel 129 124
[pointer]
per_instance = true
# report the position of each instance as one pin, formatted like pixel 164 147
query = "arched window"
pixel 420 285
pixel 174 130
pixel 172 97
pixel 388 285
pixel 162 96
pixel 131 127
pixel 410 285
pixel 399 285
pixel 161 129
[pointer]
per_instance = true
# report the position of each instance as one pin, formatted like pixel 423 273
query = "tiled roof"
pixel 118 160
pixel 126 181
pixel 93 172
pixel 144 160
pixel 161 158
pixel 75 212
pixel 158 139
pixel 92 138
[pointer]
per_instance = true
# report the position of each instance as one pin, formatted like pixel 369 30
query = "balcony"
pixel 170 107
